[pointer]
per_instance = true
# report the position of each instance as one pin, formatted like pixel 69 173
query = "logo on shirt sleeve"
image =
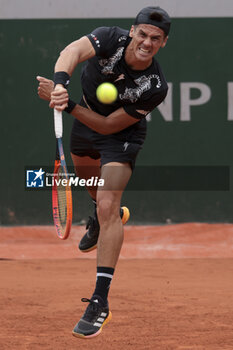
pixel 123 37
pixel 97 42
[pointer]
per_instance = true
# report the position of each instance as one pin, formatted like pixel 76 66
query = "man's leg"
pixel 85 168
pixel 116 177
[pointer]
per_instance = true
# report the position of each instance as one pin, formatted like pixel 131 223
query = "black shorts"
pixel 121 147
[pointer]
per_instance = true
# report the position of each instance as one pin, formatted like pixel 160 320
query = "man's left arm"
pixel 113 123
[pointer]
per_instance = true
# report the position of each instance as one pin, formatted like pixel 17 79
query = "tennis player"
pixel 107 138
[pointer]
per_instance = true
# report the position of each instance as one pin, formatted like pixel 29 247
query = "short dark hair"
pixel 155 16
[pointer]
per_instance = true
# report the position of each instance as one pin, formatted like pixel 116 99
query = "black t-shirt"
pixel 139 91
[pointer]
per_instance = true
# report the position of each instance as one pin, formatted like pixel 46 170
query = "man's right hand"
pixel 59 98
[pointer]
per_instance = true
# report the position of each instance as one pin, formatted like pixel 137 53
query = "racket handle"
pixel 58 123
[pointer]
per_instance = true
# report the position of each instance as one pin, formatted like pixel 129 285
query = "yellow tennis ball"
pixel 106 93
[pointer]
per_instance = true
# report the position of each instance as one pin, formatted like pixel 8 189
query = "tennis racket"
pixel 61 195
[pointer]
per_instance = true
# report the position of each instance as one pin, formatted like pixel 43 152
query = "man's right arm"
pixel 78 51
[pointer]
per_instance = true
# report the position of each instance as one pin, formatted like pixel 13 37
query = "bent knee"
pixel 107 209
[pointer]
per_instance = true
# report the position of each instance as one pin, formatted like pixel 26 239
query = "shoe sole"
pixel 126 215
pixel 89 249
pixel 124 219
pixel 83 336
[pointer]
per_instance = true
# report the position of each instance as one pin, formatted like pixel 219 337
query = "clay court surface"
pixel 173 289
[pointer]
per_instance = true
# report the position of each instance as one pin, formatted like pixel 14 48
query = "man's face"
pixel 146 41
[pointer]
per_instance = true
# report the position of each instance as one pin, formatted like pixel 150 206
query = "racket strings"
pixel 62 198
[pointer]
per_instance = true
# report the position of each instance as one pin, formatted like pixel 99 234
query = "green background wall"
pixel 198 50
